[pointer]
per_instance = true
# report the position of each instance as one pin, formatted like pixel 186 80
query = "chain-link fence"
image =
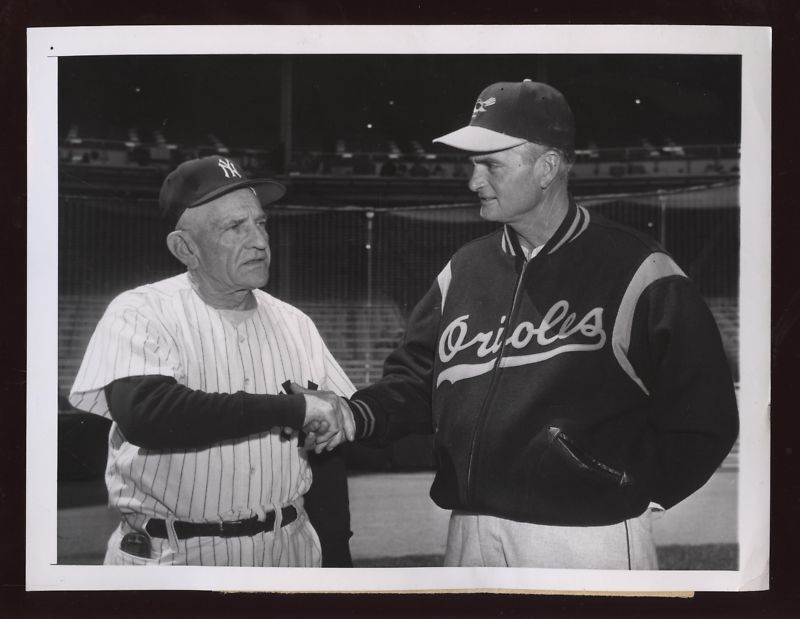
pixel 359 271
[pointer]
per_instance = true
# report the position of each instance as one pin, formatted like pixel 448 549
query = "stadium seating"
pixel 358 336
pixel 77 318
pixel 368 156
pixel 726 314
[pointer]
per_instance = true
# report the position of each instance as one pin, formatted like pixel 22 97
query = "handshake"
pixel 328 421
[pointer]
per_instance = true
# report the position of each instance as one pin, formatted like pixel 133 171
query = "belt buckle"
pixel 227 528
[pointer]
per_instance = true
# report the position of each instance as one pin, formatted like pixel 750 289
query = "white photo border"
pixel 46 45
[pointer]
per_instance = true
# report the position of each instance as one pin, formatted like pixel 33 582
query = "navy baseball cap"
pixel 508 114
pixel 198 181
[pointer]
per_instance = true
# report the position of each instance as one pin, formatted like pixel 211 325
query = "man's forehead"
pixel 499 154
pixel 241 202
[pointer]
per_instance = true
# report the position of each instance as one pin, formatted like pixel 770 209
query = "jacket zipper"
pixel 484 407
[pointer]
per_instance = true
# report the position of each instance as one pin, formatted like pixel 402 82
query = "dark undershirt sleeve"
pixel 155 412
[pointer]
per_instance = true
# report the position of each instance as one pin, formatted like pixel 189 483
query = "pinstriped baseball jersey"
pixel 166 329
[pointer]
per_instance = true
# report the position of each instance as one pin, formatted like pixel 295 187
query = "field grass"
pixel 705 557
pixel 403 561
pixel 702 557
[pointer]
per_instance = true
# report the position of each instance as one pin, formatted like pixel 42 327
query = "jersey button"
pixel 241 339
pixel 246 381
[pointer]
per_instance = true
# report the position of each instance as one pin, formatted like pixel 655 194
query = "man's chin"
pixel 488 213
pixel 257 280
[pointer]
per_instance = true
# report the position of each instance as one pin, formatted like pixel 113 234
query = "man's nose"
pixel 476 181
pixel 259 238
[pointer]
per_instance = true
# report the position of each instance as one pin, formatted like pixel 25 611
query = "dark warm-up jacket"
pixel 571 389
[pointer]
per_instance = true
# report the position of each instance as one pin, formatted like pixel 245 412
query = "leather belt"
pixel 235 528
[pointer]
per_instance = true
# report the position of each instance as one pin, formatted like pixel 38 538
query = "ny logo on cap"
pixel 480 106
pixel 228 167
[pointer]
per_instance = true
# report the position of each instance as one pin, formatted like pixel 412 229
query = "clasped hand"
pixel 328 421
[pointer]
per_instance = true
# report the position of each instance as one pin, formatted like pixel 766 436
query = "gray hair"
pixel 533 151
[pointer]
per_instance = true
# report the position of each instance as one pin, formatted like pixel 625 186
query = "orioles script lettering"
pixel 559 332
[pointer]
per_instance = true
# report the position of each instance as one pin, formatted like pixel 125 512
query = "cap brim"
pixel 268 191
pixel 478 139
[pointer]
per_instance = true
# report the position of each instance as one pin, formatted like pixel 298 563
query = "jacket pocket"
pixel 565 461
pixel 584 462
pixel 559 478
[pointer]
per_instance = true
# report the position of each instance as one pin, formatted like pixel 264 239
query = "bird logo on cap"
pixel 480 106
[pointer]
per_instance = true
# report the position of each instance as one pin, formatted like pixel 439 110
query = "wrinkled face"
pixel 232 242
pixel 506 183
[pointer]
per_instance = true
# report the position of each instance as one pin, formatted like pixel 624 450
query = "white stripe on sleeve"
pixel 656 266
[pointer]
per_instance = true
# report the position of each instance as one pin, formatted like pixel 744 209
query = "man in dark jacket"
pixel 572 375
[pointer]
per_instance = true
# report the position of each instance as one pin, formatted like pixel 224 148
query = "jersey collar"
pixel 574 224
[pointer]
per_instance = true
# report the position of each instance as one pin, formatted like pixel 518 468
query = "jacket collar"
pixel 574 224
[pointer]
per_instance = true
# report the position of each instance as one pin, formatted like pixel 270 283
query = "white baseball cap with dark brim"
pixel 508 114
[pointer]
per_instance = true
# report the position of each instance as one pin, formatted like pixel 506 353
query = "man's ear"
pixel 181 246
pixel 550 162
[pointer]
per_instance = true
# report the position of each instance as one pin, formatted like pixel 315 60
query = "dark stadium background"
pixel 692 99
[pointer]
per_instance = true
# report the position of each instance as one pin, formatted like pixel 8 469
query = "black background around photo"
pixel 781 601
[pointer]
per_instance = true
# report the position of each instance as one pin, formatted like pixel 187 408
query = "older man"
pixel 572 375
pixel 204 464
